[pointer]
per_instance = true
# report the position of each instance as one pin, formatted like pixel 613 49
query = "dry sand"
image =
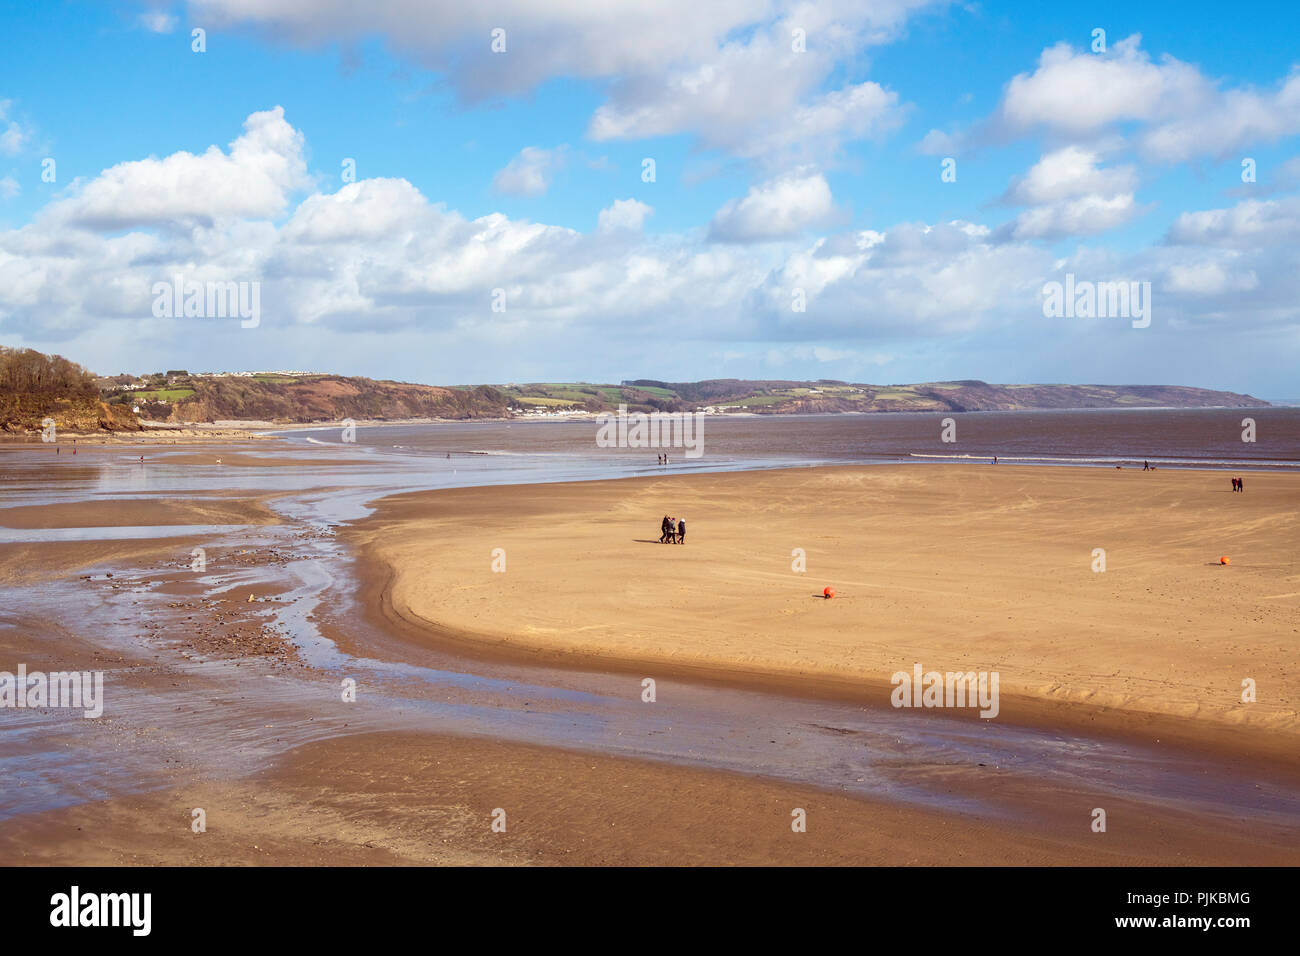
pixel 956 567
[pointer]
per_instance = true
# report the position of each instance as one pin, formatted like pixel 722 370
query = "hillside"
pixel 790 397
pixel 311 398
pixel 35 387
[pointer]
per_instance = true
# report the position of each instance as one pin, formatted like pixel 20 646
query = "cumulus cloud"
pixel 623 215
pixel 748 76
pixel 746 105
pixel 1071 195
pixel 530 173
pixel 780 208
pixel 1084 216
pixel 1250 223
pixel 1067 173
pixel 1080 92
pixel 255 179
pixel 1181 113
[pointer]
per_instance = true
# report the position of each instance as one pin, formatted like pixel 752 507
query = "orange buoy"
pixel 1224 560
pixel 829 592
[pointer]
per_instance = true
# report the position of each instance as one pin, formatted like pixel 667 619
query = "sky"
pixel 515 191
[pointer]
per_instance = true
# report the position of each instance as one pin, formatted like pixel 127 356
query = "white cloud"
pixel 254 180
pixel 1081 92
pixel 530 173
pixel 1250 223
pixel 1228 122
pixel 1067 173
pixel 725 72
pixel 1180 112
pixel 9 188
pixel 778 209
pixel 624 214
pixel 1208 278
pixel 1084 216
pixel 1071 195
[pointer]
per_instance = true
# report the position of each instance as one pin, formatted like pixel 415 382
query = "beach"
pixel 958 568
pixel 500 637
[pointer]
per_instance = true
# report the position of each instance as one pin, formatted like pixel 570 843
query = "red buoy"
pixel 829 592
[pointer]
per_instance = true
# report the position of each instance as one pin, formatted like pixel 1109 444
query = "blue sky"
pixel 780 173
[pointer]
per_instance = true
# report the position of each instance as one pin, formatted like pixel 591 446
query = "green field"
pixel 537 400
pixel 162 395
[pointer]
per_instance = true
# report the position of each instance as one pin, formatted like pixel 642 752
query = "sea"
pixel 1233 438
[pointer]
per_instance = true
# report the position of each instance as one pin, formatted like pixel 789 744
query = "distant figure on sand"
pixel 1146 466
pixel 665 529
pixel 681 531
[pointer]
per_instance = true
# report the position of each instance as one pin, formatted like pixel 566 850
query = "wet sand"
pixel 145 512
pixel 956 567
pixel 401 799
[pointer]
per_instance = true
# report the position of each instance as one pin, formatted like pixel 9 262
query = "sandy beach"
pixel 955 567
pixel 966 567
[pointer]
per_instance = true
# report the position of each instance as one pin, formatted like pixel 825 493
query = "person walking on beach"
pixel 1241 486
pixel 681 531
pixel 1146 466
pixel 663 528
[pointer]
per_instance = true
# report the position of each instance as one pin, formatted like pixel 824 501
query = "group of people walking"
pixel 1237 486
pixel 672 531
